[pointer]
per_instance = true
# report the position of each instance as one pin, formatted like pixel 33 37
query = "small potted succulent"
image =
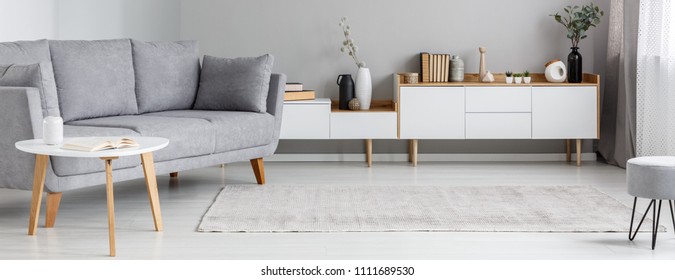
pixel 509 77
pixel 518 78
pixel 526 77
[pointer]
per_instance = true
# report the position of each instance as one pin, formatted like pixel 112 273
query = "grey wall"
pixel 304 37
pixel 27 20
pixel 107 19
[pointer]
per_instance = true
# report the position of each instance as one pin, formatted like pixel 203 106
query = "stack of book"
pixel 295 91
pixel 435 67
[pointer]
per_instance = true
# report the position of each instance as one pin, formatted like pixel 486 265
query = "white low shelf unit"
pixel 319 119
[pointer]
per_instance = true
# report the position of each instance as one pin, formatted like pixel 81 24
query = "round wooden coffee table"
pixel 42 152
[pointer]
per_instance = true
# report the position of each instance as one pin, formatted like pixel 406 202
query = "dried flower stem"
pixel 348 45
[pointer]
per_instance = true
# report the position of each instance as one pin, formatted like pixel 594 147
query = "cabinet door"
pixel 569 112
pixel 305 121
pixel 432 112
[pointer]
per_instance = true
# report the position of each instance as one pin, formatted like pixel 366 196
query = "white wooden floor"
pixel 81 227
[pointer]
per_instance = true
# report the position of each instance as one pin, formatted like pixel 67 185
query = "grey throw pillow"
pixel 40 76
pixel 167 75
pixel 94 78
pixel 234 84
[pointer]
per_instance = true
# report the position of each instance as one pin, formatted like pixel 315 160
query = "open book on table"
pixel 94 144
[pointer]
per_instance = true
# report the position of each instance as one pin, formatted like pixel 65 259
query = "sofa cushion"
pixel 37 75
pixel 189 137
pixel 234 130
pixel 24 52
pixel 32 52
pixel 94 78
pixel 66 166
pixel 238 84
pixel 167 75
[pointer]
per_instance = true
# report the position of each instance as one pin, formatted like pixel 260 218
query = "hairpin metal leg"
pixel 631 234
pixel 655 223
pixel 672 214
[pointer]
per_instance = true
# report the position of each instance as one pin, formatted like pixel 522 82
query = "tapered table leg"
pixel 40 171
pixel 111 203
pixel 151 183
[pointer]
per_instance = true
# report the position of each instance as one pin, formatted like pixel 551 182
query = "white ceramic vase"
pixel 52 130
pixel 518 80
pixel 555 72
pixel 527 80
pixel 363 90
pixel 509 80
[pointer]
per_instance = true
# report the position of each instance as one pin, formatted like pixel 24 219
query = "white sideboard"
pixel 473 110
pixel 466 110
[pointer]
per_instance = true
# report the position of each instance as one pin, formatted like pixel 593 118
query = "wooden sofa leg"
pixel 259 170
pixel 53 202
pixel 173 174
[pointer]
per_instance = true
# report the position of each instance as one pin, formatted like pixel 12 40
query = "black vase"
pixel 346 90
pixel 574 66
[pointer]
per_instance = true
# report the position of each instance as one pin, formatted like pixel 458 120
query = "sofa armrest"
pixel 20 119
pixel 275 102
pixel 275 95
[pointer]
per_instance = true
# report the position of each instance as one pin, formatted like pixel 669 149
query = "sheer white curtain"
pixel 656 79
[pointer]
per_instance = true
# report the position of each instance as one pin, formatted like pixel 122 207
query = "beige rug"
pixel 322 208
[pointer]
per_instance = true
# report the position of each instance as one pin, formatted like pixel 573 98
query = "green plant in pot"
pixel 518 77
pixel 577 20
pixel 526 77
pixel 509 77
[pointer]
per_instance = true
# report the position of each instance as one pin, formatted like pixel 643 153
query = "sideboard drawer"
pixel 364 125
pixel 499 99
pixel 306 120
pixel 498 125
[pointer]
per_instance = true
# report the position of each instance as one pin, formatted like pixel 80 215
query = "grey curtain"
pixel 617 120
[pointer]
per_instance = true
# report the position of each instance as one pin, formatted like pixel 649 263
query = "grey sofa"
pixel 125 88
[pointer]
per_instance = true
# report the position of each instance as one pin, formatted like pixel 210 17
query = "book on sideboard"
pixel 299 95
pixel 294 87
pixel 434 68
pixel 424 66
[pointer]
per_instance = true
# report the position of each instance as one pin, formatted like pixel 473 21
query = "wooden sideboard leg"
pixel 259 170
pixel 53 202
pixel 153 194
pixel 173 174
pixel 410 150
pixel 568 150
pixel 414 152
pixel 578 152
pixel 40 171
pixel 222 165
pixel 369 152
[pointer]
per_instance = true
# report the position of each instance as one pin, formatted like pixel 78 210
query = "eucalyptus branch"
pixel 579 20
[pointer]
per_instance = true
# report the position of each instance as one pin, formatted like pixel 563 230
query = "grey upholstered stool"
pixel 652 178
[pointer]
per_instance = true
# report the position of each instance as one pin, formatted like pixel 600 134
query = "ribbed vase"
pixel 364 88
